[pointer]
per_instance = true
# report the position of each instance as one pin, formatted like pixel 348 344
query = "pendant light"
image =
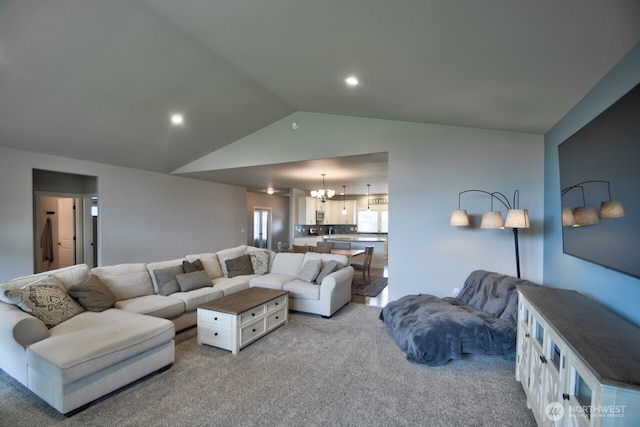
pixel 344 201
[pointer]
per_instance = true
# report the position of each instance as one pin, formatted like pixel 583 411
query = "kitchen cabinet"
pixel 576 360
pixel 333 212
pixel 307 207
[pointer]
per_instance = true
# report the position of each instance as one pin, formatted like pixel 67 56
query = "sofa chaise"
pixel 75 334
pixel 481 320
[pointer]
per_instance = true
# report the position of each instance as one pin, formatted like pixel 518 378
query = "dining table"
pixel 349 253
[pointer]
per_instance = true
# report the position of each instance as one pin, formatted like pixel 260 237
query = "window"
pixel 373 221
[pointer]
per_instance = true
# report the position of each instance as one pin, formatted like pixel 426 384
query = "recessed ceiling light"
pixel 352 81
pixel 270 191
pixel 177 119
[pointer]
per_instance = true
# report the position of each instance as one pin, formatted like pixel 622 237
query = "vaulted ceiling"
pixel 98 79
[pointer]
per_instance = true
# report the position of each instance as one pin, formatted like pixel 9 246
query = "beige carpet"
pixel 345 370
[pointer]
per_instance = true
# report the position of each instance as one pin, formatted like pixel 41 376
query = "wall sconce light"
pixel 587 215
pixel 516 218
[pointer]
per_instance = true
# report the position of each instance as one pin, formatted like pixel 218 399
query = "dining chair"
pixel 325 244
pixel 341 245
pixel 283 247
pixel 365 265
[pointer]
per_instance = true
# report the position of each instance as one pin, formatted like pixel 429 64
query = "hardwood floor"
pixel 383 297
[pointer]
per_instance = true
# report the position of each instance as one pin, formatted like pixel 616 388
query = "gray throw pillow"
pixel 239 266
pixel 310 270
pixel 166 279
pixel 329 268
pixel 92 294
pixel 194 280
pixel 189 267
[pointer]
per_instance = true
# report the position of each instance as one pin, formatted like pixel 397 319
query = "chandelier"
pixel 323 194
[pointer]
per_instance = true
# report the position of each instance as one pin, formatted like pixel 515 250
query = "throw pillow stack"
pixel 181 278
pixel 48 299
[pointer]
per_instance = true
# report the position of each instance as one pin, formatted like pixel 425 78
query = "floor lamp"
pixel 516 218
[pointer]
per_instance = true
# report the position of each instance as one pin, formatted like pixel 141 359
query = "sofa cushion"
pixel 289 263
pixel 239 266
pixel 271 281
pixel 210 262
pixel 193 299
pixel 153 305
pixel 47 300
pixel 301 289
pixel 67 275
pixel 162 265
pixel 329 268
pixel 193 280
pixel 165 279
pixel 259 260
pixel 342 260
pixel 92 294
pixel 126 281
pixel 91 342
pixel 190 267
pixel 310 270
pixel 232 285
pixel 230 253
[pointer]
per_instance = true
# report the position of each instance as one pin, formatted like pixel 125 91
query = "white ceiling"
pixel 97 79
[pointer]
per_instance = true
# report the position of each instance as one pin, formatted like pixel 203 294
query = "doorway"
pixel 65 220
pixel 262 228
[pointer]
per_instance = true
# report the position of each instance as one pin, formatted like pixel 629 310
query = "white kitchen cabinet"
pixel 307 207
pixel 576 360
pixel 333 212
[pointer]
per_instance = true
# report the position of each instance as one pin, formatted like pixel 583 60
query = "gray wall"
pixel 619 292
pixel 428 166
pixel 144 216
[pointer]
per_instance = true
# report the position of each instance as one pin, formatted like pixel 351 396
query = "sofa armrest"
pixel 338 279
pixel 20 327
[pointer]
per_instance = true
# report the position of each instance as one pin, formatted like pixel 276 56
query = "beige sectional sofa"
pixel 88 354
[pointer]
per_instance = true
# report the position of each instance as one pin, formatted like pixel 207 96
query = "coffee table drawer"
pixel 251 315
pixel 218 336
pixel 251 332
pixel 276 303
pixel 276 318
pixel 215 318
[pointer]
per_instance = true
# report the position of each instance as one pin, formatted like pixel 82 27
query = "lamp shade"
pixel 568 219
pixel 492 219
pixel 459 218
pixel 611 209
pixel 586 215
pixel 517 218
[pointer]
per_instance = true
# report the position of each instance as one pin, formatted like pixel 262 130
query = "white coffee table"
pixel 235 321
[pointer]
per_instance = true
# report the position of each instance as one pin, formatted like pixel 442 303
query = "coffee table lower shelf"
pixel 235 321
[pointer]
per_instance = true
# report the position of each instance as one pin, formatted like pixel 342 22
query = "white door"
pixel 66 232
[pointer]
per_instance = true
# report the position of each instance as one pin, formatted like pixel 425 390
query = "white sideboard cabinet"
pixel 578 362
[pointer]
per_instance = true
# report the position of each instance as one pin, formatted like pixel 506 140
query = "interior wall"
pixel 428 166
pixel 144 216
pixel 619 292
